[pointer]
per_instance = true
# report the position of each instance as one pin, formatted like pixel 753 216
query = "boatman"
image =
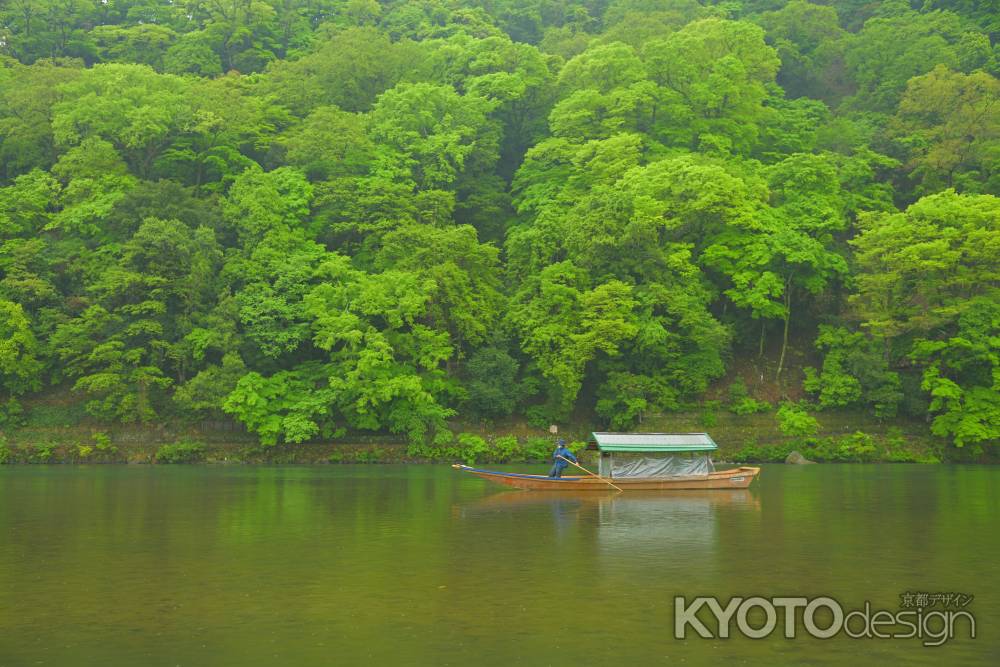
pixel 558 459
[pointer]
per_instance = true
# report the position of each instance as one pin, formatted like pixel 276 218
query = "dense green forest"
pixel 316 216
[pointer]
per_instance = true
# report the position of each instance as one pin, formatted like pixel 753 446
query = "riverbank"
pixel 63 434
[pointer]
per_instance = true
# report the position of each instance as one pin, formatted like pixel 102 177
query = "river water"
pixel 422 565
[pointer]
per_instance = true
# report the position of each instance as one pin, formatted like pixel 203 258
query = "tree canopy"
pixel 323 216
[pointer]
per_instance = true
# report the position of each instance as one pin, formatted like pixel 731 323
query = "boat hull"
pixel 736 478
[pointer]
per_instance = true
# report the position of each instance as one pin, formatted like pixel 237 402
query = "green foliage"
pixel 11 413
pixel 920 269
pixel 471 447
pixel 946 132
pixel 102 441
pixel 927 289
pixel 625 397
pixel 563 326
pixel 890 50
pixel 710 414
pixel 468 448
pixel 794 420
pixel 962 375
pixel 538 449
pixel 287 406
pixel 859 447
pixel 6 455
pixel 855 448
pixel 41 452
pixel 19 366
pixel 492 383
pixel 316 217
pixel 373 455
pixel 504 448
pixel 181 452
pixel 740 401
pixel 751 452
pixel 99 448
pixel 855 372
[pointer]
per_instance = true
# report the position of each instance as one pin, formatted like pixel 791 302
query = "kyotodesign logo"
pixel 825 617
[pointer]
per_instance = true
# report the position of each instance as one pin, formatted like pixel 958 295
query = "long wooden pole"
pixel 603 479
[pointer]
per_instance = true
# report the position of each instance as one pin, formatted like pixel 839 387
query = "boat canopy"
pixel 647 443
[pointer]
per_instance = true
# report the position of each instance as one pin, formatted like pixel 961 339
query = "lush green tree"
pixel 920 269
pixel 962 375
pixel 564 324
pixel 426 133
pixel 466 298
pixel 891 50
pixel 144 43
pixel 854 373
pixel 26 205
pixel 260 202
pixel 385 365
pixel 638 21
pixel 120 348
pixel 192 53
pixel 320 216
pixel 95 179
pixel 795 420
pixel 329 143
pixel 811 44
pixel 717 71
pixel 491 383
pixel 27 95
pixel 20 368
pixel 131 106
pixel 206 392
pixel 948 129
pixel 226 130
pixel 287 406
pixel 36 29
pixel 349 69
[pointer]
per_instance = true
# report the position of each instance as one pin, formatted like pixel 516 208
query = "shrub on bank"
pixel 740 401
pixel 471 448
pixel 41 452
pixel 466 447
pixel 855 448
pixel 751 452
pixel 11 413
pixel 102 443
pixel 538 449
pixel 794 420
pixel 181 452
pixel 505 448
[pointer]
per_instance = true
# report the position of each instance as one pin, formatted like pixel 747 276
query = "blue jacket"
pixel 561 450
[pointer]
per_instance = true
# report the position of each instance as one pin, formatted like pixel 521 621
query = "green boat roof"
pixel 654 442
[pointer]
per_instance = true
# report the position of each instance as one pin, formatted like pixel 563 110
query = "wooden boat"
pixel 736 478
pixel 650 464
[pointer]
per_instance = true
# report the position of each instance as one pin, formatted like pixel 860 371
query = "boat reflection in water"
pixel 515 499
pixel 636 520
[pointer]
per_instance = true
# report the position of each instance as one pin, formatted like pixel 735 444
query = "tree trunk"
pixel 763 325
pixel 784 337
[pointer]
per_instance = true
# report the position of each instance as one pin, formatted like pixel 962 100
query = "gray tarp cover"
pixel 656 466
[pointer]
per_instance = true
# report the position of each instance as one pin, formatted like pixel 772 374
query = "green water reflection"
pixel 421 565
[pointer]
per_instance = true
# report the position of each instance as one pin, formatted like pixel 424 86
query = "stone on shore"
pixel 797 459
